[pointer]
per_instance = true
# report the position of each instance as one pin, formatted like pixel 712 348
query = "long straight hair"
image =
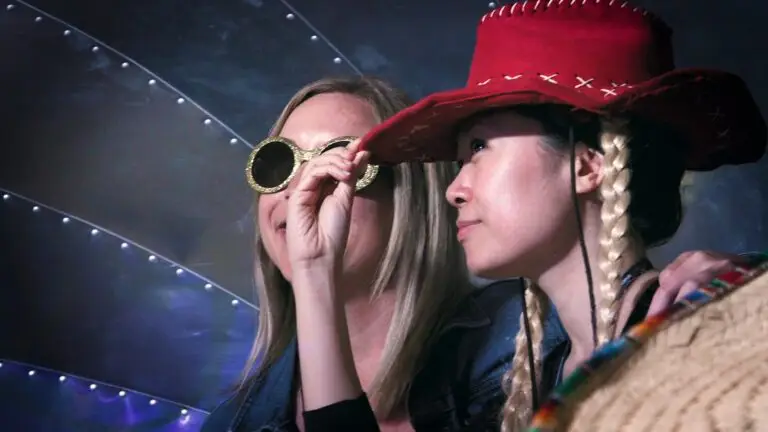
pixel 423 262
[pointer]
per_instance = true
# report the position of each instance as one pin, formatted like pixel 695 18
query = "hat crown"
pixel 574 40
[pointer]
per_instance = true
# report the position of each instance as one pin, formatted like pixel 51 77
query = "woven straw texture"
pixel 705 373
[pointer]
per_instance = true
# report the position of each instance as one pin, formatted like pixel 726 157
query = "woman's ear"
pixel 589 169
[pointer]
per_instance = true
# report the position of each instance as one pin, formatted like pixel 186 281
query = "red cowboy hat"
pixel 601 56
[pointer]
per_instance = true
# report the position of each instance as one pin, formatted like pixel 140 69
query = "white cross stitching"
pixel 608 92
pixel 716 114
pixel 724 134
pixel 502 11
pixel 584 82
pixel 549 78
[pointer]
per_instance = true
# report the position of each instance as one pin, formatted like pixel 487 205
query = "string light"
pixel 123 244
pixel 97 47
pixel 186 415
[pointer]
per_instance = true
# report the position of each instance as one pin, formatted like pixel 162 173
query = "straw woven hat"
pixel 707 372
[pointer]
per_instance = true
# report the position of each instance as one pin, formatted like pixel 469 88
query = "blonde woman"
pixel 573 132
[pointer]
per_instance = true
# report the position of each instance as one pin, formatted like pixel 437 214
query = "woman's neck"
pixel 566 285
pixel 368 324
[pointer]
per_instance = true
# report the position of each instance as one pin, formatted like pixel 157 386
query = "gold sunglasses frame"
pixel 301 156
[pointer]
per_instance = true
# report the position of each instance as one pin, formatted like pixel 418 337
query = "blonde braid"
pixel 517 381
pixel 614 239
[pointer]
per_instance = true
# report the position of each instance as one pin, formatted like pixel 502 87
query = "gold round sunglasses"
pixel 274 162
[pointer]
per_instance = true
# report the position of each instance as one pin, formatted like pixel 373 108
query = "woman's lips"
pixel 463 228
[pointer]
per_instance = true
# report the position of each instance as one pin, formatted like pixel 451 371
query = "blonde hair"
pixel 423 262
pixel 614 241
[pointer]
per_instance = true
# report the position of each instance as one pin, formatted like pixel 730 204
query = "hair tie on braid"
pixel 614 239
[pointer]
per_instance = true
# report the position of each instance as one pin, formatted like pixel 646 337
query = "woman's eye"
pixel 476 145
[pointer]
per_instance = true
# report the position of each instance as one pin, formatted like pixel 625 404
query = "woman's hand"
pixel 687 272
pixel 318 215
pixel 317 226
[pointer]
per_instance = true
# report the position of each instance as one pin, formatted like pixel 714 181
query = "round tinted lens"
pixel 272 164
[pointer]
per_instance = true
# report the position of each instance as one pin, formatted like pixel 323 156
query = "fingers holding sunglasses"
pixel 329 166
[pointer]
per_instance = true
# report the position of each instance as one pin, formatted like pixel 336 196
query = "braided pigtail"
pixel 614 233
pixel 520 381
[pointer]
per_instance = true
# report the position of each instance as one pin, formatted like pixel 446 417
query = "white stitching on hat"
pixel 583 82
pixel 541 6
pixel 716 114
pixel 549 78
pixel 723 134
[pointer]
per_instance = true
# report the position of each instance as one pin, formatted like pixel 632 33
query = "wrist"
pixel 309 270
pixel 314 287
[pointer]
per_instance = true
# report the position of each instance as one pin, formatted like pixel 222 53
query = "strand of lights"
pixel 98 46
pixel 104 389
pixel 293 14
pixel 123 243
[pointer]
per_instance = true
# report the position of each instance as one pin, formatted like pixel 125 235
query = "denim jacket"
pixel 458 387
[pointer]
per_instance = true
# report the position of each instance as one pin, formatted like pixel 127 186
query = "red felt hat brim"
pixel 713 110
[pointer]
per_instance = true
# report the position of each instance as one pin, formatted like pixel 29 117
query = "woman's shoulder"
pixel 500 303
pixel 265 400
pixel 480 337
